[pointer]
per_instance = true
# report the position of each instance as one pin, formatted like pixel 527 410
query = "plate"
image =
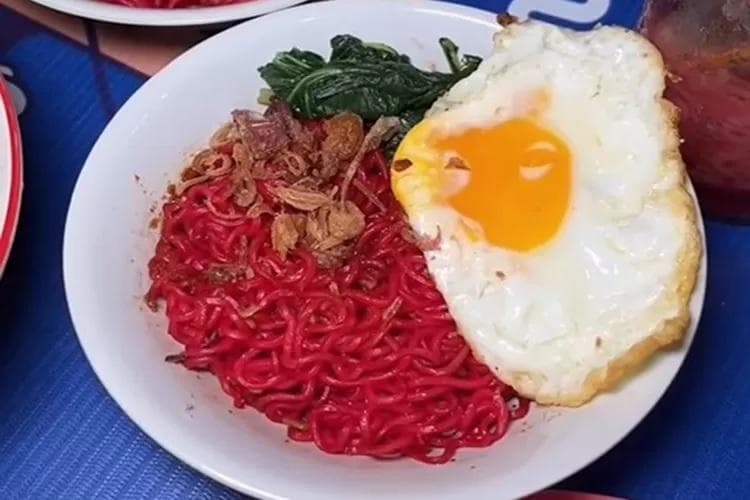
pixel 11 162
pixel 197 16
pixel 108 243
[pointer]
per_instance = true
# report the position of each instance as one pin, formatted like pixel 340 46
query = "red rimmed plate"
pixel 190 16
pixel 11 173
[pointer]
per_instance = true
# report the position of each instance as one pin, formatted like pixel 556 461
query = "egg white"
pixel 566 320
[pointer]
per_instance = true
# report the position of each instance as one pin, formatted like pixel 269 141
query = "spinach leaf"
pixel 289 67
pixel 369 79
pixel 347 47
pixel 457 64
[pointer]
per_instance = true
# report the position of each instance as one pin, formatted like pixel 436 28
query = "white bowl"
pixel 11 173
pixel 195 16
pixel 107 244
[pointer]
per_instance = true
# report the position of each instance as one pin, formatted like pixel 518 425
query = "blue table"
pixel 61 436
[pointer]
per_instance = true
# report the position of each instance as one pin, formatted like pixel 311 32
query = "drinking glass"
pixel 706 49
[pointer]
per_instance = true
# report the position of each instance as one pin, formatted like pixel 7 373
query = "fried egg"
pixel 568 243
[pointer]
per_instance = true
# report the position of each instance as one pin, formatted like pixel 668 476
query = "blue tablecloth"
pixel 61 436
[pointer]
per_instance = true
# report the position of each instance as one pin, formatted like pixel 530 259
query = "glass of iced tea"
pixel 706 48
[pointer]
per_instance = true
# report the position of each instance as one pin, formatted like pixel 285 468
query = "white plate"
pixel 107 245
pixel 10 173
pixel 102 11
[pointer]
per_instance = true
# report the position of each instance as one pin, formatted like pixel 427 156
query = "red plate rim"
pixel 16 175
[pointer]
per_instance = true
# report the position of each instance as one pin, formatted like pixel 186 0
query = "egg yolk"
pixel 519 181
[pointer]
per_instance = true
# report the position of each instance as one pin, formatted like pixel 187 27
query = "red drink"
pixel 706 48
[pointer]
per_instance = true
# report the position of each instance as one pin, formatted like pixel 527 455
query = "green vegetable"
pixel 371 80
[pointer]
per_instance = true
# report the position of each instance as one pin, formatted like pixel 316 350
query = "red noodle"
pixel 173 4
pixel 361 360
